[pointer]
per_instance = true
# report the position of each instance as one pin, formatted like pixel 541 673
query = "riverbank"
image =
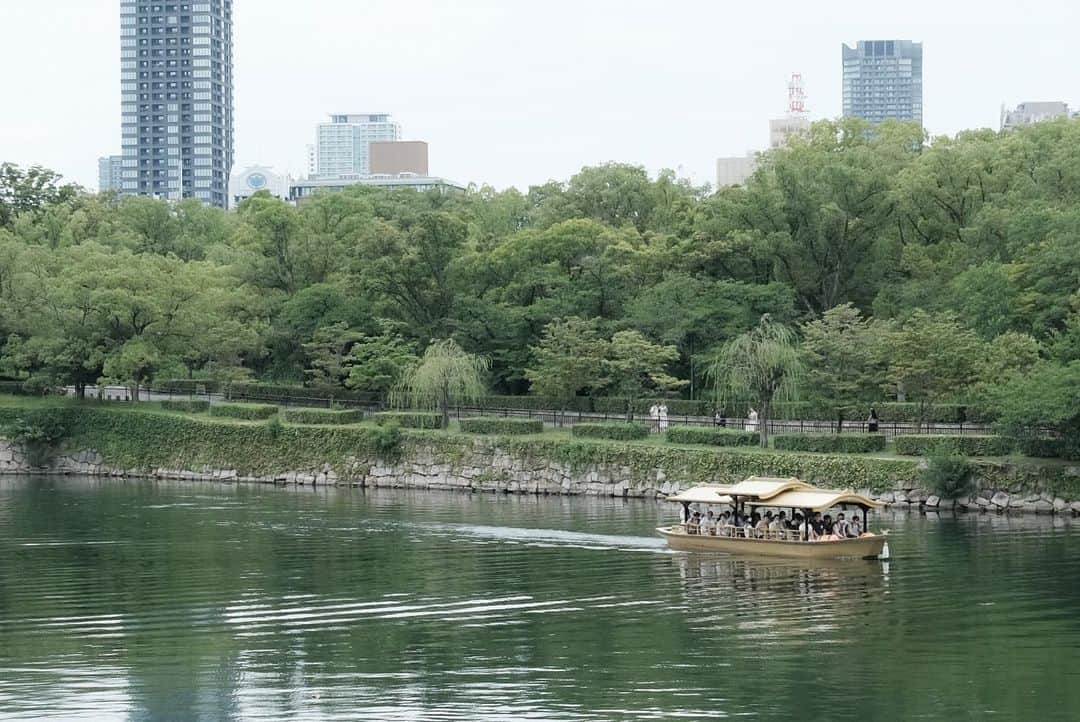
pixel 103 440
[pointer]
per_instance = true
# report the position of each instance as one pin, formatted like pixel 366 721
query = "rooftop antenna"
pixel 796 105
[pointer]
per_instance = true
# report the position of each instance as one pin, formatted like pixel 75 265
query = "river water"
pixel 155 600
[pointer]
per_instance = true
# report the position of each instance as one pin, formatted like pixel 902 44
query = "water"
pixel 141 600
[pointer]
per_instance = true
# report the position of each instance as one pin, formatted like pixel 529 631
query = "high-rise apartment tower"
pixel 177 99
pixel 342 144
pixel 883 79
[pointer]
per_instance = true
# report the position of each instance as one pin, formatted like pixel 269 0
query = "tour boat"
pixel 788 494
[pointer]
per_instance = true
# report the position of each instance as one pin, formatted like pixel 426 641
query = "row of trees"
pixel 934 271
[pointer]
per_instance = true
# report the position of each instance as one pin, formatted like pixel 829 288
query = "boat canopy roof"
pixel 770 491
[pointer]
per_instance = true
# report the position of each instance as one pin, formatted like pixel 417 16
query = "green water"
pixel 145 601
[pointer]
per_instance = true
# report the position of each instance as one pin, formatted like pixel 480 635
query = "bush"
pixel 535 403
pixel 1042 448
pixel 410 419
pixel 186 386
pixel 39 432
pixel 947 474
pixel 14 388
pixel 620 432
pixel 712 437
pixel 831 443
pixel 322 416
pixel 285 393
pixel 502 426
pixel 982 445
pixel 186 406
pixel 249 412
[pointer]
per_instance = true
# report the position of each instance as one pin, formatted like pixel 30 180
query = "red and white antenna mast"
pixel 796 104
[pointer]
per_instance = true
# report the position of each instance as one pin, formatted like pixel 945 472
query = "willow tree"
pixel 445 376
pixel 760 368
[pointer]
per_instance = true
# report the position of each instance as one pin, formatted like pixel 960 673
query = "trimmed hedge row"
pixel 988 445
pixel 502 426
pixel 410 419
pixel 192 406
pixel 322 416
pixel 712 437
pixel 620 432
pixel 249 412
pixel 281 392
pixel 831 443
pixel 1042 448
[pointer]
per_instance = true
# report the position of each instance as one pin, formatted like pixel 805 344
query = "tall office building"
pixel 342 145
pixel 883 79
pixel 177 99
pixel 110 170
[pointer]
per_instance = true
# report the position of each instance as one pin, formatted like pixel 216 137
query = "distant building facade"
pixel 253 179
pixel 342 145
pixel 398 157
pixel 735 171
pixel 110 173
pixel 302 190
pixel 782 130
pixel 883 80
pixel 1028 113
pixel 176 83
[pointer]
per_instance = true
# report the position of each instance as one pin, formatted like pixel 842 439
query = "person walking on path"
pixel 872 422
pixel 662 416
pixel 751 421
pixel 654 414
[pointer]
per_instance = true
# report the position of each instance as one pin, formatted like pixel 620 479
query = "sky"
pixel 510 93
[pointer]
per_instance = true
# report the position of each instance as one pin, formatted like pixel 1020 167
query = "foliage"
pixel 445 376
pixel 947 473
pixel 249 412
pixel 1045 399
pixel 637 367
pixel 712 437
pixel 502 426
pixel 186 406
pixel 569 360
pixel 376 363
pixel 30 191
pixel 968 445
pixel 831 443
pixel 409 420
pixel 39 432
pixel 322 416
pixel 761 367
pixel 621 432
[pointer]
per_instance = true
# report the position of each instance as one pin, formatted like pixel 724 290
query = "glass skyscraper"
pixel 883 79
pixel 177 99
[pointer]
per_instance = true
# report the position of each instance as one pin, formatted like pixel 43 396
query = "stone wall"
pixel 491 469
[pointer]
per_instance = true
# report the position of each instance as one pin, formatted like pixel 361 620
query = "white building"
pixel 301 190
pixel 781 130
pixel 1028 113
pixel 341 145
pixel 253 179
pixel 110 173
pixel 735 171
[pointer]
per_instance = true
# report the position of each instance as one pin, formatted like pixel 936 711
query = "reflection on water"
pixel 131 599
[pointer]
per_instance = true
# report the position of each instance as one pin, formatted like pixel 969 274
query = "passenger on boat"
pixel 827 522
pixel 725 524
pixel 761 526
pixel 708 523
pixel 694 525
pixel 841 526
pixel 854 528
pixel 817 526
pixel 778 522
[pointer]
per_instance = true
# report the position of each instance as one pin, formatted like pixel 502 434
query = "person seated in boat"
pixel 840 528
pixel 854 529
pixel 778 522
pixel 708 523
pixel 759 524
pixel 694 525
pixel 827 522
pixel 817 526
pixel 725 524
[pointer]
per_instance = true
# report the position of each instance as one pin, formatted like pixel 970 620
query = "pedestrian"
pixel 872 422
pixel 751 421
pixel 662 417
pixel 719 418
pixel 654 414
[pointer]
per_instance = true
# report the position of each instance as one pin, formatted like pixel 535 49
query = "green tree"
pixel 844 356
pixel 376 363
pixel 133 364
pixel 637 367
pixel 445 376
pixel 328 354
pixel 30 191
pixel 568 360
pixel 761 367
pixel 1046 398
pixel 932 358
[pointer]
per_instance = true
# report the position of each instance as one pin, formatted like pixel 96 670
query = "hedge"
pixel 285 393
pixel 186 386
pixel 193 406
pixel 322 416
pixel 830 443
pixel 250 412
pixel 712 437
pixel 410 419
pixel 621 432
pixel 983 445
pixel 502 426
pixel 1044 448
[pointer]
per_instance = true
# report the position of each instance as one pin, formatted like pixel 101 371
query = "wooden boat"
pixel 758 491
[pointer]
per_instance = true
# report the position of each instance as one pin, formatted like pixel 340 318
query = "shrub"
pixel 39 433
pixel 410 419
pixel 1042 448
pixel 621 432
pixel 186 406
pixel 947 474
pixel 982 445
pixel 322 416
pixel 502 426
pixel 249 412
pixel 712 437
pixel 186 386
pixel 286 393
pixel 831 443
pixel 535 403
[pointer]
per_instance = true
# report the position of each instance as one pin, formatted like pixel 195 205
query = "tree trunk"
pixel 80 391
pixel 629 411
pixel 135 392
pixel 763 425
pixel 839 422
pixel 444 407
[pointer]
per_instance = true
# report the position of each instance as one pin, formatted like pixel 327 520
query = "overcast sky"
pixel 513 93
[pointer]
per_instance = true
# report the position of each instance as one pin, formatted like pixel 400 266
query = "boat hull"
pixel 862 547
